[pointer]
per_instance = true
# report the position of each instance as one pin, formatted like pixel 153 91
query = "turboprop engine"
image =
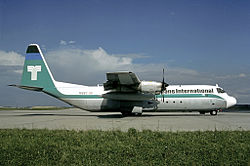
pixel 154 87
pixel 150 86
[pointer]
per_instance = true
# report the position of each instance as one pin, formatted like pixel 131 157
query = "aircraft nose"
pixel 231 101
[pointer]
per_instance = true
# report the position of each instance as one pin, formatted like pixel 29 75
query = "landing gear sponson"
pixel 136 111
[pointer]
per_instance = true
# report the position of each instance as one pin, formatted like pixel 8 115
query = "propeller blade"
pixel 163 75
pixel 163 84
pixel 163 97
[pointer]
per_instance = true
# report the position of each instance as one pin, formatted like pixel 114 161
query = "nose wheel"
pixel 214 112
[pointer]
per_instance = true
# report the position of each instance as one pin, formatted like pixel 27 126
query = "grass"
pixel 62 147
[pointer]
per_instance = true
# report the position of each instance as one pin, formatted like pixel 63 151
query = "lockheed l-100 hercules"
pixel 123 91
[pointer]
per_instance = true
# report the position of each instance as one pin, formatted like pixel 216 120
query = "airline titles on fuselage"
pixel 176 91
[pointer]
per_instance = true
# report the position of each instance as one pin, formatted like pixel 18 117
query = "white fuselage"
pixel 122 92
pixel 176 98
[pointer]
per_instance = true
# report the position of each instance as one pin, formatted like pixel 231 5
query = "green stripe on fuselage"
pixel 189 96
pixel 54 92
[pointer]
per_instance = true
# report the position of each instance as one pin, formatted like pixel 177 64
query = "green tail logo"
pixel 36 72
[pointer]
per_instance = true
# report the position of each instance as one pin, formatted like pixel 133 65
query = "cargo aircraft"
pixel 123 91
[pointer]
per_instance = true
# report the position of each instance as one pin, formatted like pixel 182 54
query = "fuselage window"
pixel 173 101
pixel 180 101
pixel 166 101
pixel 219 90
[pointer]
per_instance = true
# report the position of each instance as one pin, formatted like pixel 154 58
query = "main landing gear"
pixel 124 114
pixel 213 112
pixel 136 111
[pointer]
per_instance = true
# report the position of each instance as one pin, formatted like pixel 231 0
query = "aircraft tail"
pixel 36 73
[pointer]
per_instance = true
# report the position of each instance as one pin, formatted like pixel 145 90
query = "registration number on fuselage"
pixel 85 93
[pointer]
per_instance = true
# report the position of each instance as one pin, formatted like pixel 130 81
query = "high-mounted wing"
pixel 126 86
pixel 124 81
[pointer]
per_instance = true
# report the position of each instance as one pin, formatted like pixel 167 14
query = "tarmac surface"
pixel 76 119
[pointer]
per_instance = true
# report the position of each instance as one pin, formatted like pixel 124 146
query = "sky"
pixel 196 41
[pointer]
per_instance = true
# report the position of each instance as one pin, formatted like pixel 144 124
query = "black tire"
pixel 214 112
pixel 124 114
pixel 137 114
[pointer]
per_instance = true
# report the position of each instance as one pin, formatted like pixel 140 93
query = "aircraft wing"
pixel 124 81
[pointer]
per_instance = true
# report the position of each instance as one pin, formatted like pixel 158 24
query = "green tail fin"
pixel 36 72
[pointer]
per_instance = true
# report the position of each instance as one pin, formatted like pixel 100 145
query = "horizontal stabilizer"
pixel 28 87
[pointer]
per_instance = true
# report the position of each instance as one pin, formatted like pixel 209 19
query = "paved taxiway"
pixel 77 119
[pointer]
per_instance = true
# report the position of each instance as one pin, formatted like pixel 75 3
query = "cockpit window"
pixel 219 90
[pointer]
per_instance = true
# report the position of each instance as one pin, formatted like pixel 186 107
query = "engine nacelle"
pixel 150 86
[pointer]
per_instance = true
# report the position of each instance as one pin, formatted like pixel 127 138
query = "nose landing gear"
pixel 214 112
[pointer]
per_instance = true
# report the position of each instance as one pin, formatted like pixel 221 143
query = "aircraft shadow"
pixel 46 114
pixel 75 115
pixel 114 116
pixel 147 115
